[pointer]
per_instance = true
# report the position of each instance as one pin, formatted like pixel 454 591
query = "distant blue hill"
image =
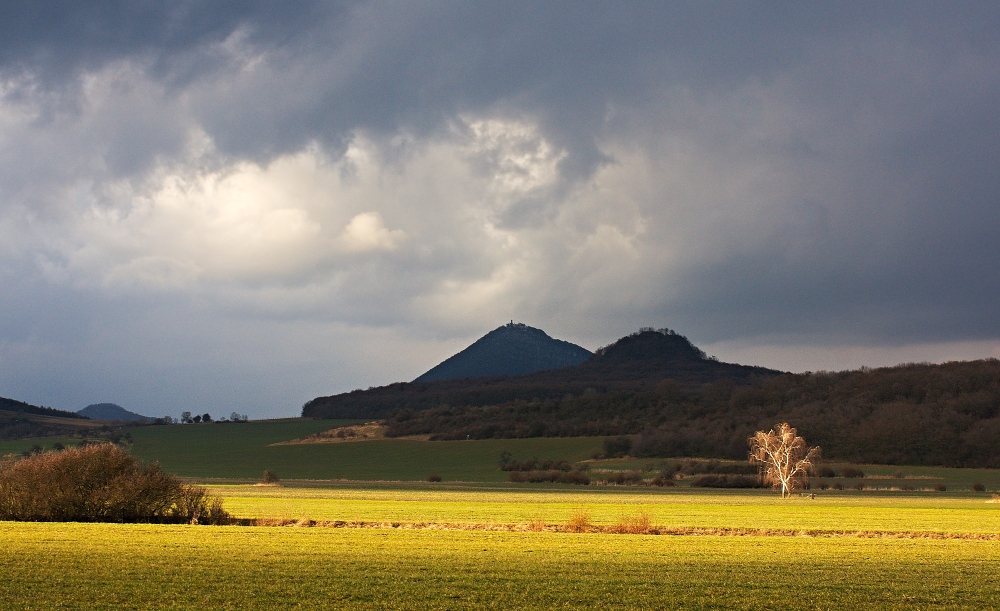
pixel 111 411
pixel 510 350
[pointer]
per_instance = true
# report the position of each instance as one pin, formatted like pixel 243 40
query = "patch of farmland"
pixel 244 451
pixel 108 566
pixel 679 508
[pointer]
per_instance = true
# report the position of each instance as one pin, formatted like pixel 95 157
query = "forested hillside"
pixel 19 420
pixel 659 388
pixel 12 405
pixel 910 414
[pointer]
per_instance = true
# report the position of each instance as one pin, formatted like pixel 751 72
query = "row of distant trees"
pixel 187 418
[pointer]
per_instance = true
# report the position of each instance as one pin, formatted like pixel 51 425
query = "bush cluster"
pixel 508 463
pixel 99 483
pixel 625 478
pixel 702 467
pixel 635 478
pixel 727 481
pixel 553 475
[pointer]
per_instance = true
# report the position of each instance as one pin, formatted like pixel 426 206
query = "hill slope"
pixel 510 350
pixel 632 364
pixel 111 411
pixel 13 405
pixel 19 420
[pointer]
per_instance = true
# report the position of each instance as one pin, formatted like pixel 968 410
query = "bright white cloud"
pixel 366 232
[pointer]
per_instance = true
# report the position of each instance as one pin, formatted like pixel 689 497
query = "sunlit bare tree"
pixel 783 457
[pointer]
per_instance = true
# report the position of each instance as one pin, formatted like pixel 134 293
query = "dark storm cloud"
pixel 56 39
pixel 813 172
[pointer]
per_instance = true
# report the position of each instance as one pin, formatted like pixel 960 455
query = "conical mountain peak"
pixel 510 350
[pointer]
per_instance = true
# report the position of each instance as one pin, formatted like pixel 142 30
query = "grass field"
pixel 243 451
pixel 109 566
pixel 679 508
pixel 85 566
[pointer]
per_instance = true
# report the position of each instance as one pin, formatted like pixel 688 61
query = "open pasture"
pixel 244 451
pixel 105 566
pixel 672 508
pixel 113 566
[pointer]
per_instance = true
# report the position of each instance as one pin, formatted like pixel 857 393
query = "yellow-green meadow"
pixel 109 566
pixel 406 563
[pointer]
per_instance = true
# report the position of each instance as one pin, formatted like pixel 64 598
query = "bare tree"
pixel 783 457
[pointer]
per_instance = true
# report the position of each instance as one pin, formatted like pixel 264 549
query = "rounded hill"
pixel 111 411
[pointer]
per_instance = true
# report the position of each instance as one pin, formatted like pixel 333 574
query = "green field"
pixel 244 451
pixel 84 566
pixel 408 562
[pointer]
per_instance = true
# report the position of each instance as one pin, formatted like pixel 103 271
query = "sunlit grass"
pixel 88 566
pixel 831 511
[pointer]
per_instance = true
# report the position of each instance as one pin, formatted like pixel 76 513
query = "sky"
pixel 239 206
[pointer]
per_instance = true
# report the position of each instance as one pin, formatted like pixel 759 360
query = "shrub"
pixel 851 472
pixel 574 477
pixel 662 482
pixel 637 524
pixel 906 487
pixel 433 477
pixel 625 478
pixel 859 486
pixel 978 487
pixel 823 485
pixel 99 483
pixel 617 447
pixel 270 477
pixel 837 486
pixel 826 472
pixel 940 487
pixel 579 523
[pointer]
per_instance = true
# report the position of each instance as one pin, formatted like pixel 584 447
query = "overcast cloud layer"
pixel 222 206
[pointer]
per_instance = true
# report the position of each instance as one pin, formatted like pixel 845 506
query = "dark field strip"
pixel 107 566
